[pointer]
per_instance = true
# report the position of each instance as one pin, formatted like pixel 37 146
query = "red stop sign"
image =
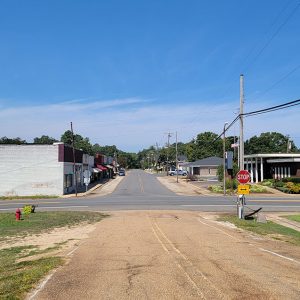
pixel 243 176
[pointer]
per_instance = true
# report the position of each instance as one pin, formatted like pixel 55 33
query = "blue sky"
pixel 126 72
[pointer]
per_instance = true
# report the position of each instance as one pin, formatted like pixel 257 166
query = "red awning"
pixel 102 168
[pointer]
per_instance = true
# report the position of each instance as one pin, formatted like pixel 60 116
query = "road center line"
pixel 141 184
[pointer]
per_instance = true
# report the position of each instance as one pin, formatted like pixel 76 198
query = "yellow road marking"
pixel 141 184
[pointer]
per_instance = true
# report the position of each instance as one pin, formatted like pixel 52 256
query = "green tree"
pixel 44 139
pixel 79 142
pixel 207 144
pixel 12 141
pixel 268 142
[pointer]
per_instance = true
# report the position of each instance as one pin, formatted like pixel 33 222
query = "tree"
pixel 12 141
pixel 206 145
pixel 44 139
pixel 268 142
pixel 79 142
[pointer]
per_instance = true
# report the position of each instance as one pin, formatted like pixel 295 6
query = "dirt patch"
pixel 65 237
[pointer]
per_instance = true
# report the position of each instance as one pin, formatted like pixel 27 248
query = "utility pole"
pixel 224 160
pixel 289 144
pixel 241 139
pixel 176 158
pixel 74 160
pixel 168 145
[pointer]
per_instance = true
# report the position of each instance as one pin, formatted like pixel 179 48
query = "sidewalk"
pixel 279 219
pixel 109 183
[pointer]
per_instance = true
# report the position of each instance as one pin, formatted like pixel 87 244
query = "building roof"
pixel 212 161
pixel 273 155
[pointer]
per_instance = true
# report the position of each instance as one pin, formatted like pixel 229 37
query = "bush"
pixel 216 188
pixel 283 189
pixel 191 177
pixel 257 189
pixel 278 183
pixel 28 209
pixel 268 182
pixel 291 179
pixel 231 184
pixel 293 188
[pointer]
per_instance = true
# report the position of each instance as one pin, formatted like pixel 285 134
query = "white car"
pixel 180 172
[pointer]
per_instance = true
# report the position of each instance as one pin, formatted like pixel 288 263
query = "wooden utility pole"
pixel 74 160
pixel 168 145
pixel 176 158
pixel 224 159
pixel 241 139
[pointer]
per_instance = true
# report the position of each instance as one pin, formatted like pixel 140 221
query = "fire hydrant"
pixel 18 214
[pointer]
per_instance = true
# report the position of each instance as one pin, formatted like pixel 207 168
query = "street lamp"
pixel 224 159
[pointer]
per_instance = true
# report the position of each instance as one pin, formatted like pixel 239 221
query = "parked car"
pixel 121 172
pixel 180 172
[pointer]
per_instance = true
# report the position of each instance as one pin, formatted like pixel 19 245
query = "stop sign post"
pixel 243 176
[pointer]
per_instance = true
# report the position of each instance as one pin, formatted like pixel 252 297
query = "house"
pixel 41 169
pixel 204 168
pixel 272 165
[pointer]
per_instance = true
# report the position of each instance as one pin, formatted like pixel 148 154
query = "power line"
pixel 273 36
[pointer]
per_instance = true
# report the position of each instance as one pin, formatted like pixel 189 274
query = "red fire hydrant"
pixel 18 214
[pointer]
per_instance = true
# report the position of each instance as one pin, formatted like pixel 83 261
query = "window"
pixel 68 180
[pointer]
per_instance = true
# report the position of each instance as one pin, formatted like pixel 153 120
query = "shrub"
pixel 257 189
pixel 216 188
pixel 231 184
pixel 28 209
pixel 293 188
pixel 291 179
pixel 268 182
pixel 191 177
pixel 278 183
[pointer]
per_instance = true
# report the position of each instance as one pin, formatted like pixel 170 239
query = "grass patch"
pixel 293 218
pixel 43 221
pixel 28 197
pixel 17 278
pixel 270 229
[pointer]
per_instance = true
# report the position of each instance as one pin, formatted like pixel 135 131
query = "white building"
pixel 27 170
pixel 272 165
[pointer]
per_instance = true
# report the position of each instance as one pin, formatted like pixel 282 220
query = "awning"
pixel 96 170
pixel 102 168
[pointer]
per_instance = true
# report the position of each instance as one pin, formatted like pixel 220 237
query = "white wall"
pixel 27 170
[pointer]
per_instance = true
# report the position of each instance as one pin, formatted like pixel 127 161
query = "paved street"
pixel 142 191
pixel 158 245
pixel 175 255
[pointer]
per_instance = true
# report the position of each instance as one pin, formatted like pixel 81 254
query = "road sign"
pixel 86 180
pixel 243 176
pixel 87 174
pixel 243 189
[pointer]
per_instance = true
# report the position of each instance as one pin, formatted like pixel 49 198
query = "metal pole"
pixel 241 140
pixel 74 160
pixel 176 157
pixel 224 160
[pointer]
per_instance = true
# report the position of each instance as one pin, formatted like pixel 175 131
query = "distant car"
pixel 180 172
pixel 122 172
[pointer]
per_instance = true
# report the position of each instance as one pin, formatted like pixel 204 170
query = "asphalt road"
pixel 174 255
pixel 142 191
